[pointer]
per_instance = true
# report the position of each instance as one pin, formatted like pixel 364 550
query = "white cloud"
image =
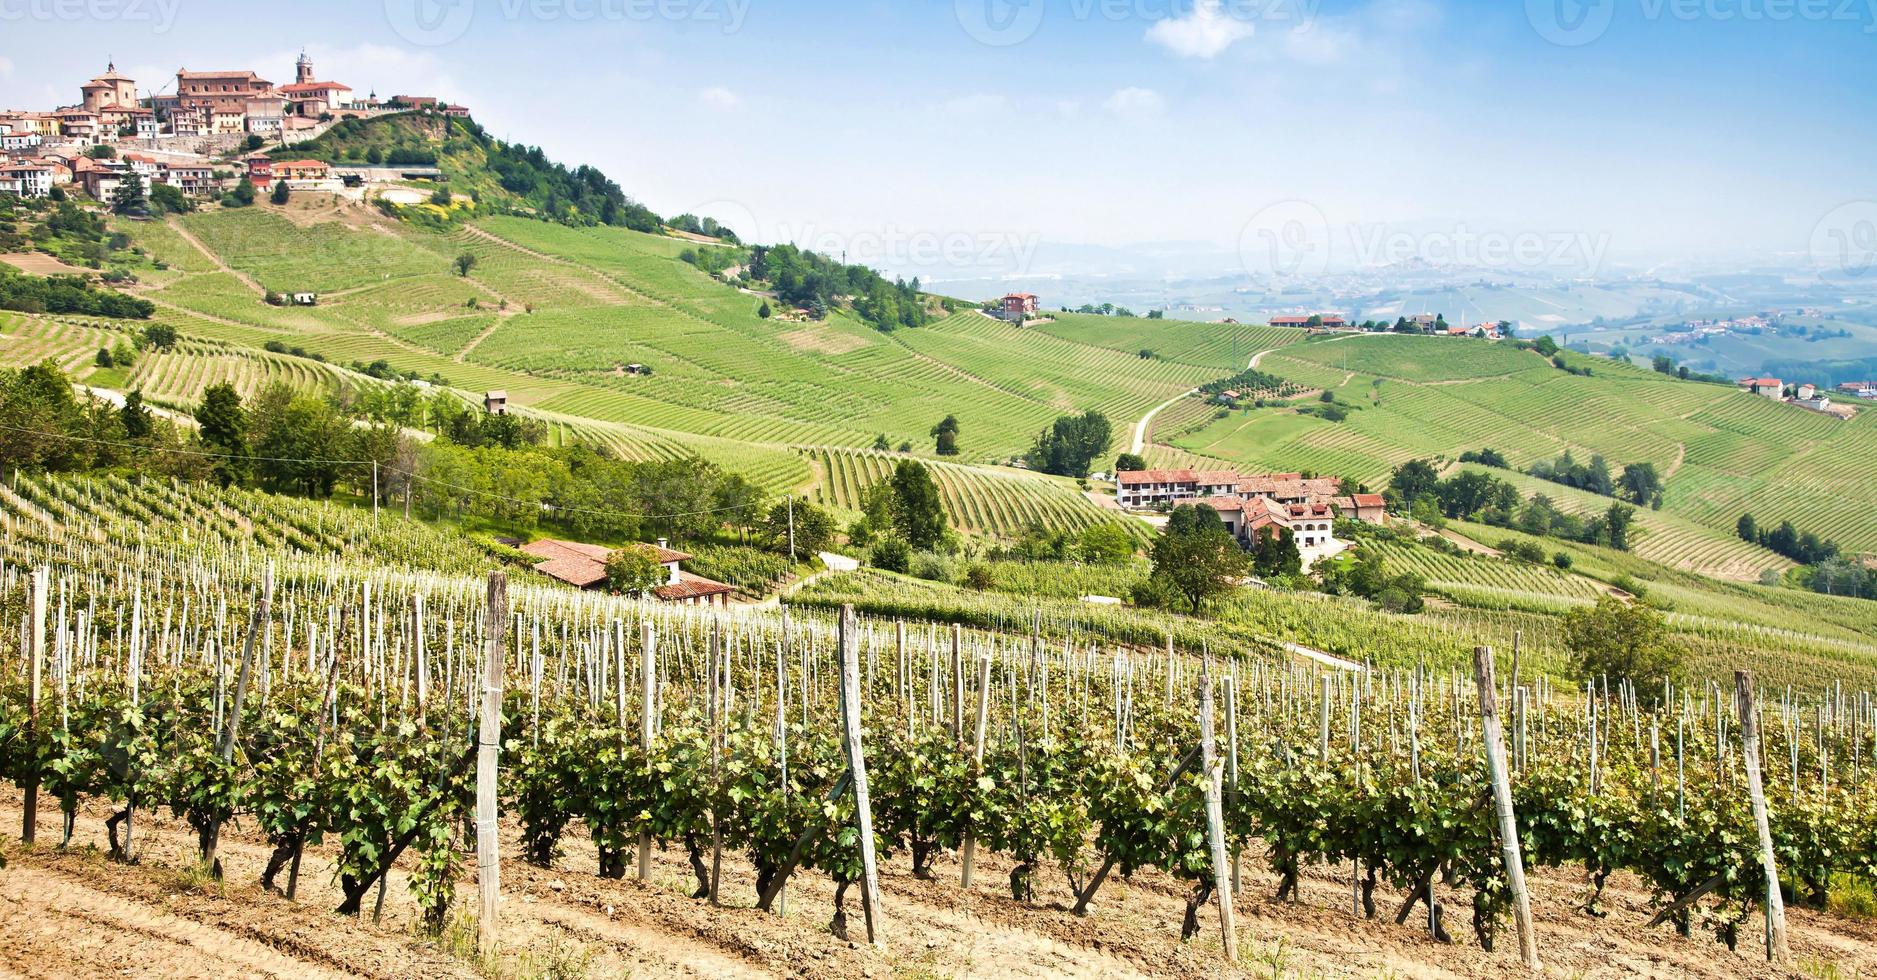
pixel 977 104
pixel 721 99
pixel 1205 33
pixel 1135 103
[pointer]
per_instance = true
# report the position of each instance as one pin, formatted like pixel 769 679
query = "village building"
pixel 1328 321
pixel 1765 387
pixel 1312 526
pixel 266 116
pixel 260 170
pixel 22 142
pixel 308 96
pixel 1805 392
pixel 109 90
pixel 1370 508
pixel 1016 306
pixel 1148 489
pixel 1157 489
pixel 583 566
pixel 33 180
pixel 495 403
pixel 188 178
pixel 304 174
pixel 228 91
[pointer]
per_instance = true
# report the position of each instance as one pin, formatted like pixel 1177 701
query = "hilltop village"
pixel 200 132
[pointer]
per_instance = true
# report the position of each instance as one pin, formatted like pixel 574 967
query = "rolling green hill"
pixel 1721 451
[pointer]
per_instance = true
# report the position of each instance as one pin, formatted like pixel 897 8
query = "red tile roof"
pixel 691 587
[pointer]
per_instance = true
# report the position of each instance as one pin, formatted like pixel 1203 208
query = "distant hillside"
pixel 505 176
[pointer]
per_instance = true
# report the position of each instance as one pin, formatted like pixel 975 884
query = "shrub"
pixel 891 555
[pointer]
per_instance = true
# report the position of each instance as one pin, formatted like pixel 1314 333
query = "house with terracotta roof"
pixel 1147 489
pixel 1370 508
pixel 1765 387
pixel 1312 526
pixel 1016 306
pixel 1328 321
pixel 583 566
pixel 310 97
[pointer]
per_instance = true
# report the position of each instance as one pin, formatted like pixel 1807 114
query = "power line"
pixel 372 462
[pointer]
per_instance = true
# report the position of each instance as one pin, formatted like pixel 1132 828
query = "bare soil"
pixel 41 264
pixel 72 913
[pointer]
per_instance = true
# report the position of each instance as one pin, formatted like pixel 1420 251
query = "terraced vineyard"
pixel 976 500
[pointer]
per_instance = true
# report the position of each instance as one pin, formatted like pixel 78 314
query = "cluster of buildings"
pixel 1808 396
pixel 583 566
pixel 1018 307
pixel 1248 503
pixel 1425 323
pixel 169 136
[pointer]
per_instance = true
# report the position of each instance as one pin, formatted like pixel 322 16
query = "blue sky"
pixel 1683 126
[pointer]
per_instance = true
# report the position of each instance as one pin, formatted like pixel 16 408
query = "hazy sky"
pixel 1646 125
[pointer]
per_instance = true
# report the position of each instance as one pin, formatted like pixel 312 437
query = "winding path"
pixel 1140 428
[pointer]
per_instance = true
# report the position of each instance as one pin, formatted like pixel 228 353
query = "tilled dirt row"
pixel 74 914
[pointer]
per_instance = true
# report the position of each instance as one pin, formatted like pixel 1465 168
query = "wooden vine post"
pixel 1776 949
pixel 648 703
pixel 1509 850
pixel 488 758
pixel 857 768
pixel 1215 814
pixel 36 638
pixel 970 853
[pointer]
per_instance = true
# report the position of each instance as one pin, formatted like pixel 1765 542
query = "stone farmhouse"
pixel 1307 507
pixel 583 566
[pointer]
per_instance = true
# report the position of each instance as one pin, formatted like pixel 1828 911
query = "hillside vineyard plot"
pixel 189 679
pixel 975 500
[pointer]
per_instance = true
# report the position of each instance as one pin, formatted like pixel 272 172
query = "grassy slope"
pixel 1724 452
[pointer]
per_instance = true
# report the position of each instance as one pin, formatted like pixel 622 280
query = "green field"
pixel 1722 452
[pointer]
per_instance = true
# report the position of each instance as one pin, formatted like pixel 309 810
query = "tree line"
pixel 1416 489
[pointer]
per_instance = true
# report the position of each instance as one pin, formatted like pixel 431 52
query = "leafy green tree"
pixel 1274 553
pixel 1546 346
pixel 243 194
pixel 128 199
pixel 1071 445
pixel 1641 484
pixel 1412 481
pixel 1748 529
pixel 222 426
pixel 892 555
pixel 880 443
pixel 633 570
pixel 1105 544
pixel 464 263
pixel 1627 641
pixel 764 311
pixel 1616 522
pixel 136 417
pixel 918 511
pixel 946 435
pixel 166 199
pixel 1129 462
pixel 814 528
pixel 1196 558
pixel 281 194
pixel 103 359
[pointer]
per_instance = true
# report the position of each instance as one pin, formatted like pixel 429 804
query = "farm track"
pixel 196 243
pixel 73 914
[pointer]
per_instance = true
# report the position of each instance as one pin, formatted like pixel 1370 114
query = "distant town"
pixel 199 132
